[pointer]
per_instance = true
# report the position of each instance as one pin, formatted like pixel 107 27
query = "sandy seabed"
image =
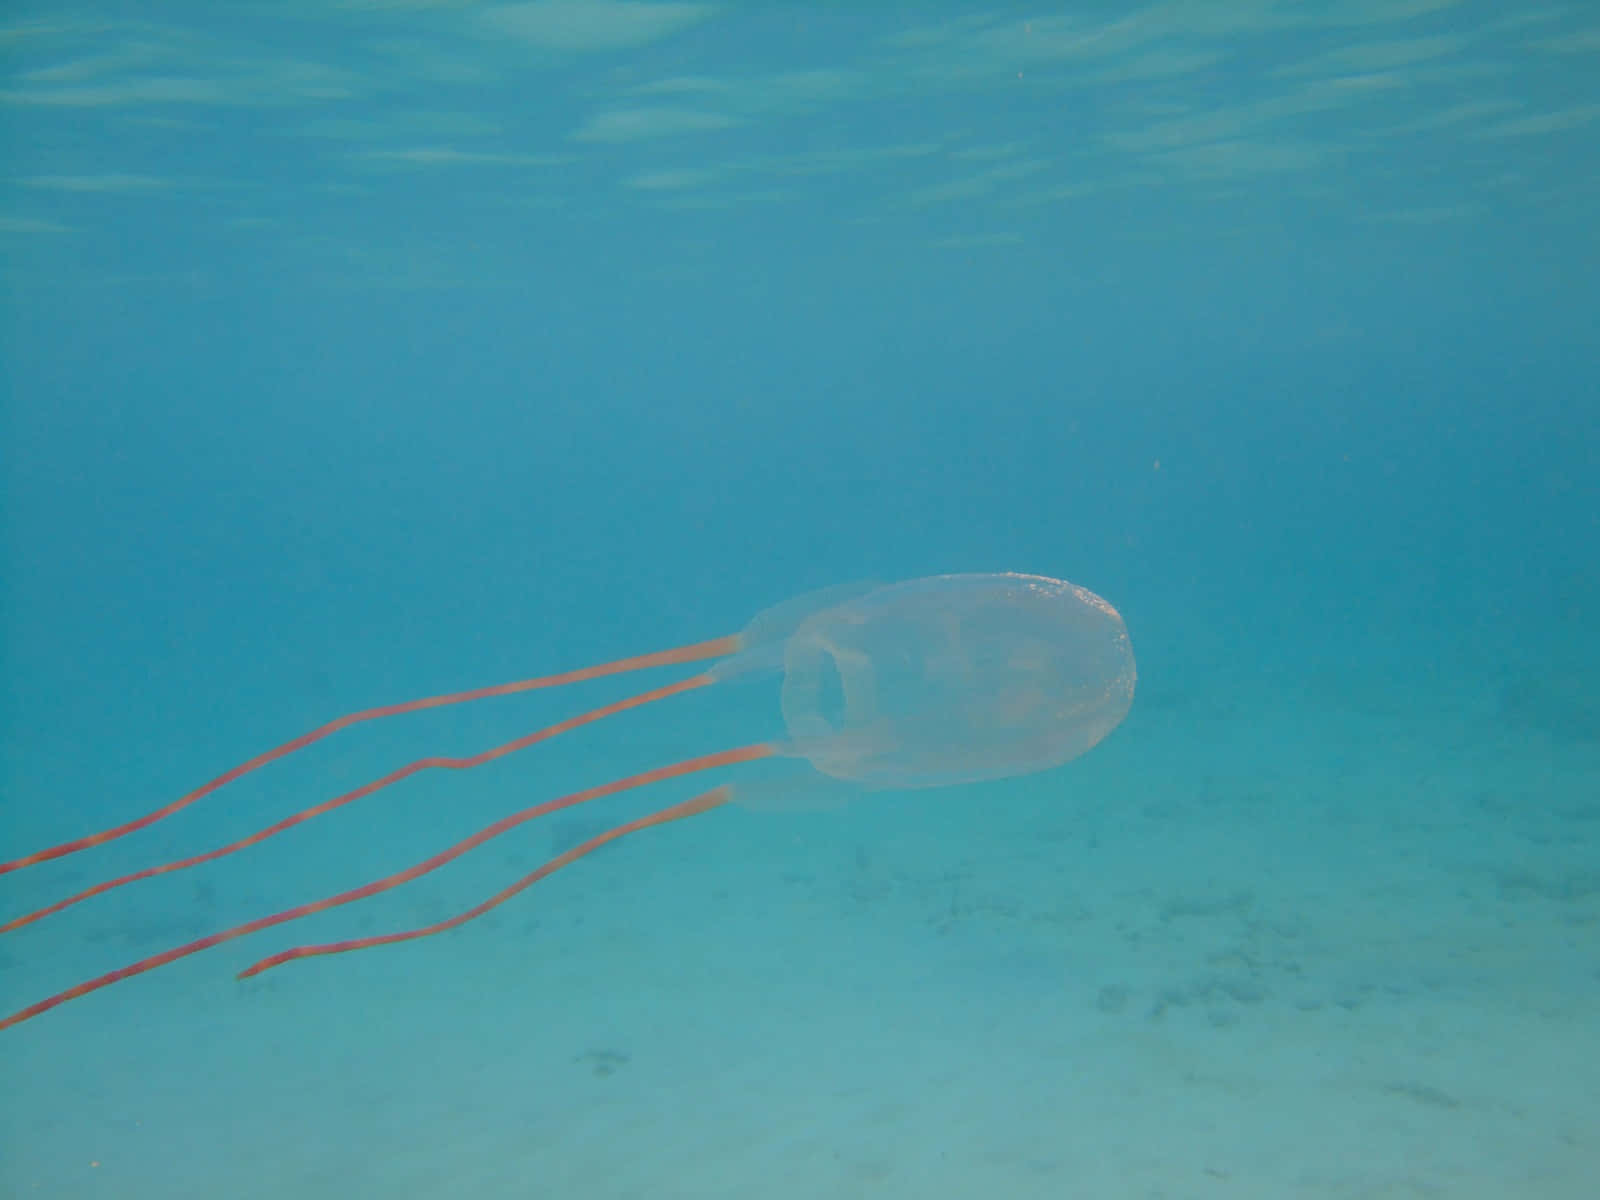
pixel 1314 944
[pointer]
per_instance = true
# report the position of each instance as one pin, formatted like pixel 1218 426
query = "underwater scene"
pixel 632 600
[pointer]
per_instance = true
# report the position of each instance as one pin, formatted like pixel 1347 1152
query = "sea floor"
pixel 1322 941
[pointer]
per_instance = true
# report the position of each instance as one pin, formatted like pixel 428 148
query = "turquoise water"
pixel 361 352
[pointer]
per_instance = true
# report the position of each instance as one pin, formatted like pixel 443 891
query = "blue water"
pixel 357 352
